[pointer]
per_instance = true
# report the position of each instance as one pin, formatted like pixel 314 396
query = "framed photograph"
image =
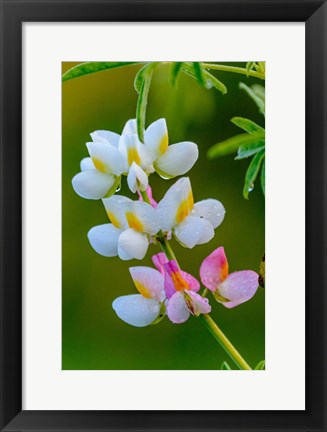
pixel 162 267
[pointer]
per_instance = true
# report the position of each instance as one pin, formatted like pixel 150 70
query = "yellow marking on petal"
pixel 180 283
pixel 134 222
pixel 142 289
pixel 185 208
pixel 163 144
pixel 99 165
pixel 113 219
pixel 133 156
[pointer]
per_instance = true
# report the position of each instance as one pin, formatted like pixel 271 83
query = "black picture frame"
pixel 16 12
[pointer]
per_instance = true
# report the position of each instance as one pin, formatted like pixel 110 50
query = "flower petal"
pixel 107 158
pixel 197 304
pixel 156 138
pixel 116 207
pixel 136 310
pixel 130 127
pixel 104 239
pixel 239 287
pixel 86 164
pixel 159 260
pixel 148 191
pixel 93 184
pixel 177 310
pixel 177 159
pixel 142 217
pixel 210 209
pixel 192 282
pixel 132 244
pixel 137 179
pixel 193 231
pixel 176 205
pixel 134 151
pixel 214 269
pixel 106 137
pixel 149 282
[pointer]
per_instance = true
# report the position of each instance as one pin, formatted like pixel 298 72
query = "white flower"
pixel 190 223
pixel 132 222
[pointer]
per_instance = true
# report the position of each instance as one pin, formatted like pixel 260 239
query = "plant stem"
pixel 206 319
pixel 224 342
pixel 234 69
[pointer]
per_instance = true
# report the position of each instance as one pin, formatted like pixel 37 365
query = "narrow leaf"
pixel 248 125
pixel 174 72
pixel 142 103
pixel 250 148
pixel 212 81
pixel 263 177
pixel 139 78
pixel 225 366
pixel 231 145
pixel 92 67
pixel 260 365
pixel 249 67
pixel 254 96
pixel 199 73
pixel 252 172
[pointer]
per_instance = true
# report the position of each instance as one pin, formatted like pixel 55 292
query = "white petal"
pixel 104 239
pixel 193 231
pixel 176 204
pixel 107 158
pixel 136 310
pixel 106 136
pixel 177 310
pixel 149 282
pixel 93 184
pixel 137 179
pixel 142 217
pixel 177 160
pixel 116 207
pixel 130 127
pixel 86 164
pixel 210 209
pixel 156 138
pixel 132 244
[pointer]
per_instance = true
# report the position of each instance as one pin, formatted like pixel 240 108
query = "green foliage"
pixel 252 172
pixel 225 366
pixel 92 67
pixel 247 125
pixel 143 84
pixel 174 72
pixel 250 148
pixel 231 145
pixel 208 80
pixel 260 365
pixel 199 73
pixel 263 176
pixel 141 74
pixel 257 94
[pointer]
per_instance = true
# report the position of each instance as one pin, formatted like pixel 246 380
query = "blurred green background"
pixel 93 337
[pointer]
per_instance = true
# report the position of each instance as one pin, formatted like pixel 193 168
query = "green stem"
pixel 206 319
pixel 224 342
pixel 234 69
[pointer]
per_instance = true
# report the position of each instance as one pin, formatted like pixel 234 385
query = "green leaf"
pixel 263 177
pixel 250 148
pixel 248 125
pixel 92 67
pixel 212 81
pixel 260 365
pixel 199 73
pixel 174 72
pixel 225 366
pixel 142 102
pixel 249 67
pixel 252 172
pixel 255 95
pixel 139 78
pixel 231 145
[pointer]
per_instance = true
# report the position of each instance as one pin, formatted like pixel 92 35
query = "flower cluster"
pixel 135 224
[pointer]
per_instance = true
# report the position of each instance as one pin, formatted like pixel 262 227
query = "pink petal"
pixel 239 287
pixel 193 283
pixel 214 269
pixel 196 304
pixel 159 260
pixel 176 308
pixel 148 191
pixel 149 282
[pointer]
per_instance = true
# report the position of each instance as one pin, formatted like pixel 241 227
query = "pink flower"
pixel 180 288
pixel 229 289
pixel 148 191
